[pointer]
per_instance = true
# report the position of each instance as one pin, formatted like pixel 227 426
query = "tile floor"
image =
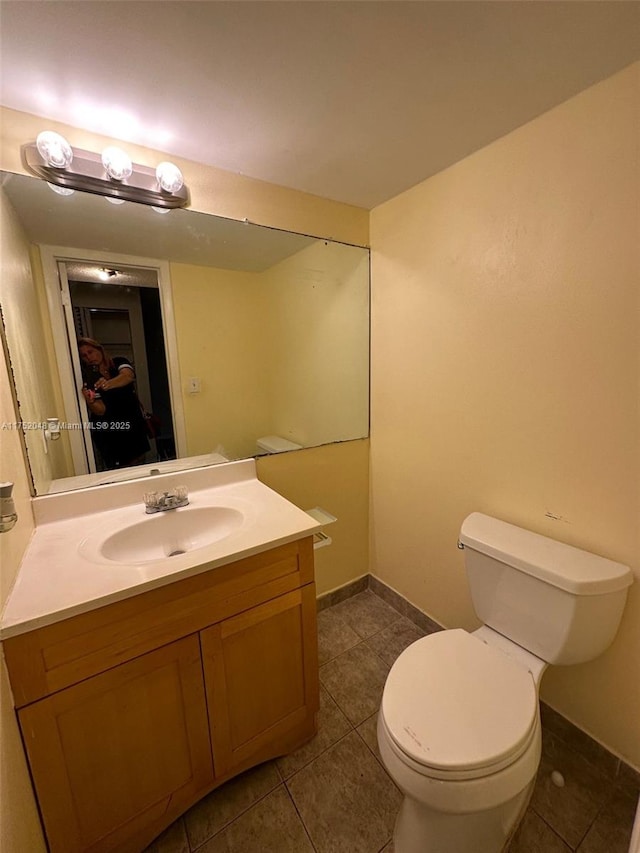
pixel 334 796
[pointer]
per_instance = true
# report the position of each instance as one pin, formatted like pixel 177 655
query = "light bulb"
pixel 117 163
pixel 54 149
pixel 160 209
pixel 60 190
pixel 169 177
pixel 115 200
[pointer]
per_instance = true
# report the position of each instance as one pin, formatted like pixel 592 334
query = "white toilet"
pixel 459 724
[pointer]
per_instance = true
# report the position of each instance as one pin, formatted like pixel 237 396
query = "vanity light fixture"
pixel 111 174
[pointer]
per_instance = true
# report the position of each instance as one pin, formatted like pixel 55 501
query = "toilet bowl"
pixel 459 724
pixel 459 732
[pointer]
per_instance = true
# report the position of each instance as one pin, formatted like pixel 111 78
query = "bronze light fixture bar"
pixel 87 172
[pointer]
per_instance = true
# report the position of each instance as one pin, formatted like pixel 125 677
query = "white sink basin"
pixel 167 534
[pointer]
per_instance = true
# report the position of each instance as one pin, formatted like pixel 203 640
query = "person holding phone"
pixel 118 428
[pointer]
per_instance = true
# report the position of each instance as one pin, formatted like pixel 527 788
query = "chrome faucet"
pixel 162 501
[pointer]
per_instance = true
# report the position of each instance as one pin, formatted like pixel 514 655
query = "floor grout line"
pixel 554 830
pixel 240 813
pixel 304 825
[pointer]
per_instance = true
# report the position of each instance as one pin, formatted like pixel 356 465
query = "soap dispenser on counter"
pixel 8 514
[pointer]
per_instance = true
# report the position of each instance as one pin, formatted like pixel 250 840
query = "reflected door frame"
pixel 59 304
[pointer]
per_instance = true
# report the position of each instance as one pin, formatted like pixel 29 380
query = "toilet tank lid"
pixel 277 444
pixel 572 569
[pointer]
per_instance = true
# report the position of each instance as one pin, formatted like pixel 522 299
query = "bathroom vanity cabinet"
pixel 132 712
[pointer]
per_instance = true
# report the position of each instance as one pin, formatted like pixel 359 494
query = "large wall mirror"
pixel 243 339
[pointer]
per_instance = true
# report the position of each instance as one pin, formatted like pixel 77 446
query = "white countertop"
pixel 57 579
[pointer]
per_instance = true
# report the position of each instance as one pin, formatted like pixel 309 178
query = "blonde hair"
pixel 90 342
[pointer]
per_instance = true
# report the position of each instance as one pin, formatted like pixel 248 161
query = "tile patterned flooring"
pixel 334 796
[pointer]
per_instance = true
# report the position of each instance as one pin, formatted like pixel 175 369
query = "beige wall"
pixel 322 394
pixel 30 344
pixel 230 411
pixel 19 822
pixel 237 331
pixel 59 454
pixel 505 371
pixel 335 478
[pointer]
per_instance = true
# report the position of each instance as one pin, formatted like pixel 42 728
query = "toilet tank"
pixel 276 444
pixel 559 602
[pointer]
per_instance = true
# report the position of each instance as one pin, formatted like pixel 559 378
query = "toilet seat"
pixel 456 708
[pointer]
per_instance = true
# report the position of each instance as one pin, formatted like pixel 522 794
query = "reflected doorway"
pixel 120 308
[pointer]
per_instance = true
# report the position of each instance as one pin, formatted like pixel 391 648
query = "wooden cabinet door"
pixel 261 677
pixel 119 756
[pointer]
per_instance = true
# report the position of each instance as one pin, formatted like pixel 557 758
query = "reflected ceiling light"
pixel 169 177
pixel 117 163
pixel 111 174
pixel 105 274
pixel 54 149
pixel 60 190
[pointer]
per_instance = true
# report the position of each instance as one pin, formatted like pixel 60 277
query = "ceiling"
pixel 353 101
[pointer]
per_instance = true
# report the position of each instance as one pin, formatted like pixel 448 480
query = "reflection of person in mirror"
pixel 118 428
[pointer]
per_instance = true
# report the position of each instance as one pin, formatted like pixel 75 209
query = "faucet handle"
pixel 151 499
pixel 181 492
